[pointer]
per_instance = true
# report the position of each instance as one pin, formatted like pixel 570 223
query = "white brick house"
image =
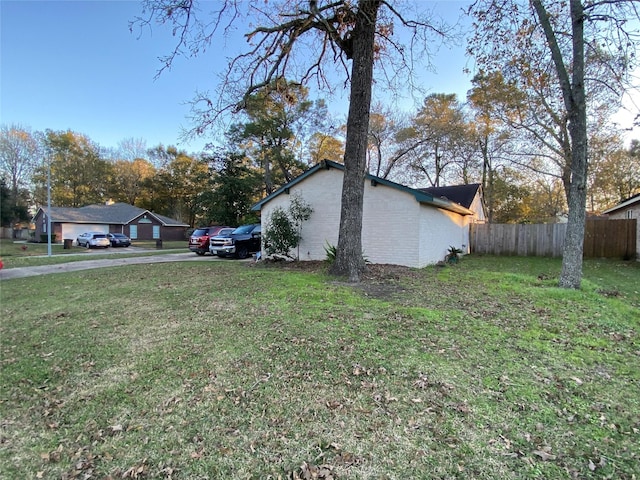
pixel 401 225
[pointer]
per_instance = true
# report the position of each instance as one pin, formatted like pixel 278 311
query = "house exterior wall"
pixel 149 228
pixel 323 192
pixel 390 226
pixel 40 222
pixel 396 228
pixel 440 230
pixel 478 211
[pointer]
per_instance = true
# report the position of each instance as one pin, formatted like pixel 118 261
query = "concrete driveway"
pixel 9 273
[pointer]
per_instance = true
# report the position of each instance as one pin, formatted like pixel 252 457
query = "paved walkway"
pixel 8 273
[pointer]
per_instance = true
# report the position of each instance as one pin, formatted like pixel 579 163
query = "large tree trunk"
pixel 349 261
pixel 571 274
pixel 573 92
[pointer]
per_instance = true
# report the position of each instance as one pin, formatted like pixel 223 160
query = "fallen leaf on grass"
pixel 544 454
pixel 360 370
pixel 137 471
pixel 313 472
pixel 422 382
pixel 594 466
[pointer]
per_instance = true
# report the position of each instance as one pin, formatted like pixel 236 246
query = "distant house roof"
pixel 420 196
pixel 624 203
pixel 113 214
pixel 462 194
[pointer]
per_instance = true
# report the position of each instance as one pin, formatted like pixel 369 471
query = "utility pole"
pixel 48 205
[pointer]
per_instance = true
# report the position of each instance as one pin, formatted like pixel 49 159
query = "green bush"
pixel 331 251
pixel 280 235
pixel 282 232
pixel 44 238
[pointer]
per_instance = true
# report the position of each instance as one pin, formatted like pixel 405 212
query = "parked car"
pixel 240 243
pixel 199 239
pixel 93 239
pixel 119 240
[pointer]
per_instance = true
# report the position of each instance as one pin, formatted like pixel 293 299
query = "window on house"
pixel 133 232
pixel 156 231
pixel 629 214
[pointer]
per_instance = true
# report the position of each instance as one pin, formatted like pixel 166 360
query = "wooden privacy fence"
pixel 602 238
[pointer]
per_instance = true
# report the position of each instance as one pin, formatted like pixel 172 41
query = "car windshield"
pixel 118 235
pixel 99 235
pixel 243 229
pixel 199 232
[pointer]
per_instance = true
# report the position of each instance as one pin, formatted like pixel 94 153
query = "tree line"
pixel 283 132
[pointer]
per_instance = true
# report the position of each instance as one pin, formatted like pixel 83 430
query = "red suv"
pixel 199 239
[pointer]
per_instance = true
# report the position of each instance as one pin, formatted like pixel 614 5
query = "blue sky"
pixel 75 65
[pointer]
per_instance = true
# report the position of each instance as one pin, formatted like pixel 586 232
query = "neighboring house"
pixel 400 225
pixel 136 223
pixel 469 196
pixel 628 209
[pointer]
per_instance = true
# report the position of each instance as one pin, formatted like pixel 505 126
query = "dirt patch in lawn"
pixel 380 281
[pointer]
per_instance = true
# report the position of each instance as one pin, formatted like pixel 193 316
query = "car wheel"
pixel 242 252
pixel 87 245
pixel 198 252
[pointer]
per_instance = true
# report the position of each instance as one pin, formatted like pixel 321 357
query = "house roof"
pixel 116 213
pixel 420 196
pixel 462 194
pixel 625 203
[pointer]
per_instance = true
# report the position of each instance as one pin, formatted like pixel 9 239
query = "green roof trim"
pixel 422 197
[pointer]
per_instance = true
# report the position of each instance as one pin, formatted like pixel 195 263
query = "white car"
pixel 93 239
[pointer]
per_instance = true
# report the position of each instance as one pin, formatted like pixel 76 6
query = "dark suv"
pixel 240 243
pixel 199 239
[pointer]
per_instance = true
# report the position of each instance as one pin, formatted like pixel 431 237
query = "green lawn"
pixel 211 370
pixel 25 254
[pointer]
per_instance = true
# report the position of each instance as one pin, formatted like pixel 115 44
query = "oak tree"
pixel 304 41
pixel 79 175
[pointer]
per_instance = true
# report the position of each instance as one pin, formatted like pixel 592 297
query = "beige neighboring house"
pixel 628 209
pixel 401 225
pixel 469 196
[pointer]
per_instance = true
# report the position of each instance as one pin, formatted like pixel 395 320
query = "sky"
pixel 75 65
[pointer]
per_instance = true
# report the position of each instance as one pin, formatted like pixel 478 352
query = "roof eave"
pixel 422 197
pixel 620 206
pixel 324 164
